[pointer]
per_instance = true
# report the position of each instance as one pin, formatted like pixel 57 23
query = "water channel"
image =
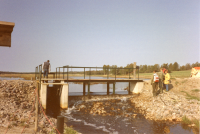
pixel 87 123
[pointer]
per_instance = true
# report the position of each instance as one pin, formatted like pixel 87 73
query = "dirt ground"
pixel 18 130
pixel 181 86
pixel 189 85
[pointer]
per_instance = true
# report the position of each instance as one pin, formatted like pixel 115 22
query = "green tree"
pixel 182 68
pixel 171 67
pixel 105 69
pixel 188 66
pixel 175 66
pixel 165 65
pixel 156 67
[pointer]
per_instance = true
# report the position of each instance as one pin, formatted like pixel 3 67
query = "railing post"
pixel 134 70
pixel 114 88
pixel 138 73
pixel 63 72
pixel 59 72
pixel 83 88
pixel 107 73
pixel 129 72
pixel 107 88
pixel 84 72
pixel 56 73
pixel 67 73
pixel 88 88
pixel 115 73
pixel 90 74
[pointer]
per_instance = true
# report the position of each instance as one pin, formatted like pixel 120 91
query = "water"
pixel 118 122
pixel 97 89
pixel 122 122
pixel 10 78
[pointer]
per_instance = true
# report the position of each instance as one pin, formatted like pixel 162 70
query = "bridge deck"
pixel 92 80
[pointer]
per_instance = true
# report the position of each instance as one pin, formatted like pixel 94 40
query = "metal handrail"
pixel 89 72
pixel 38 71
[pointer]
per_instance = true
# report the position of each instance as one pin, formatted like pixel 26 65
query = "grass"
pixel 196 90
pixel 187 121
pixel 70 130
pixel 190 96
pixel 180 74
pixel 176 83
pixel 67 130
pixel 184 81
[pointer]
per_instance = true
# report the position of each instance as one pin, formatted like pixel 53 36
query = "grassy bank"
pixel 194 123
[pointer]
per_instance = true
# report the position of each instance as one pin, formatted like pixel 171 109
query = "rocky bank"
pixel 17 108
pixel 172 105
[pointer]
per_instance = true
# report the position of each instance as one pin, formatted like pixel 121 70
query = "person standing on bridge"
pixel 46 67
pixel 161 79
pixel 154 83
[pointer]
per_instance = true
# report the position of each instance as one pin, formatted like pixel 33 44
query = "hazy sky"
pixel 98 32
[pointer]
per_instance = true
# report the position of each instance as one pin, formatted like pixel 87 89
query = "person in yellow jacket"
pixel 166 81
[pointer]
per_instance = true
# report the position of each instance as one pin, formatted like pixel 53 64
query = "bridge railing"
pixel 64 72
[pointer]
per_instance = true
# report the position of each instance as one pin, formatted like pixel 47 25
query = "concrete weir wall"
pixel 63 93
pixel 136 87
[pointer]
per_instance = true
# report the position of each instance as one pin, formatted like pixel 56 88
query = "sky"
pixel 100 32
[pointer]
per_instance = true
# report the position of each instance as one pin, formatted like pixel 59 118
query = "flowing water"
pixel 10 78
pixel 121 122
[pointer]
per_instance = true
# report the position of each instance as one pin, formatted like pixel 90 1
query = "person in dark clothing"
pixel 46 67
pixel 154 83
pixel 161 79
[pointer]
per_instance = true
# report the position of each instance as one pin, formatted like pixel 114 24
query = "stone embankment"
pixel 171 105
pixel 17 108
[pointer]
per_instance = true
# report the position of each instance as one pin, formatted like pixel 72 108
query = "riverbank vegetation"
pixel 31 76
pixel 145 71
pixel 67 130
pixel 194 123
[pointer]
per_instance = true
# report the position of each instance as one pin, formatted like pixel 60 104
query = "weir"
pixel 60 81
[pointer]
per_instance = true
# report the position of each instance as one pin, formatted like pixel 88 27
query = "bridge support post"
pixel 64 96
pixel 83 88
pixel 43 93
pixel 88 88
pixel 63 93
pixel 107 88
pixel 114 88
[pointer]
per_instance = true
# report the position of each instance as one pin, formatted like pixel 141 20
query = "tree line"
pixel 147 68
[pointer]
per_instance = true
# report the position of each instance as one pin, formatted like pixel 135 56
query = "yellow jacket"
pixel 167 78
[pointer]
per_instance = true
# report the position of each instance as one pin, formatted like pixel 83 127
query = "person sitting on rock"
pixel 154 83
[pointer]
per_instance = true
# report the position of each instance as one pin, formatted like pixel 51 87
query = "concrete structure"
pixel 63 95
pixel 6 29
pixel 136 87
